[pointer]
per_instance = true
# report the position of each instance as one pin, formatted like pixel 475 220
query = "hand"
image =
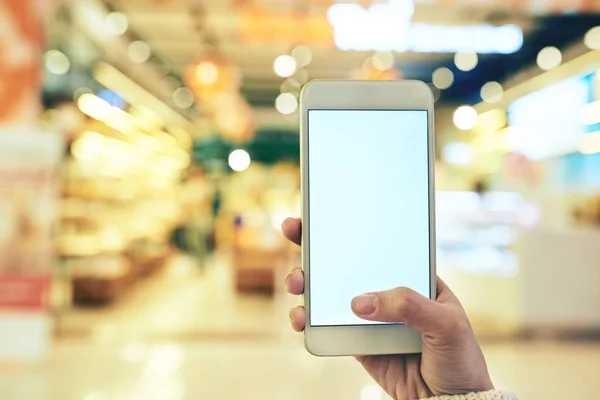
pixel 451 362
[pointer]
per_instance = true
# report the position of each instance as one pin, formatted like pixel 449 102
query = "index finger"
pixel 292 230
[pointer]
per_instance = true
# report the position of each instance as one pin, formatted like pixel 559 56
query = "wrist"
pixel 486 395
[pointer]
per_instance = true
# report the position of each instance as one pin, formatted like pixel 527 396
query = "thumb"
pixel 402 305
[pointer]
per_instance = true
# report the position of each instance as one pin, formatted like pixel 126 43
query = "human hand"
pixel 451 362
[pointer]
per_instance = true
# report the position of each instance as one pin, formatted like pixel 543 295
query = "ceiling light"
pixel 139 51
pixel 302 55
pixel 56 62
pixel 592 38
pixel 239 160
pixel 286 103
pixel 465 118
pixel 443 78
pixel 492 92
pixel 549 57
pixel 285 66
pixel 116 23
pixel 466 60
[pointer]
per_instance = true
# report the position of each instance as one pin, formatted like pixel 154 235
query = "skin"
pixel 452 361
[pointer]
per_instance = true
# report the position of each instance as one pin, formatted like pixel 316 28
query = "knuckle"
pixel 403 303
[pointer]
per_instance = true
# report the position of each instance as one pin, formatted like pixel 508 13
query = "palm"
pixel 399 375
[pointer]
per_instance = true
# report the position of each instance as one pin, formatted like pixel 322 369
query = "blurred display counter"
pixel 104 278
pixel 257 254
pixel 555 289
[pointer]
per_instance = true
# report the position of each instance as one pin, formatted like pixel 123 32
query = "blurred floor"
pixel 271 371
pixel 186 335
pixel 181 302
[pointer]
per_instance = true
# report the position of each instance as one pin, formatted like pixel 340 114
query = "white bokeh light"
pixel 302 55
pixel 285 66
pixel 442 78
pixel 492 92
pixel 383 60
pixel 116 23
pixel 592 38
pixel 466 60
pixel 549 57
pixel 465 118
pixel 239 160
pixel 56 62
pixel 286 103
pixel 139 51
pixel 183 97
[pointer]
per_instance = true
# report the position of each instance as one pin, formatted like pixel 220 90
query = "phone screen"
pixel 369 208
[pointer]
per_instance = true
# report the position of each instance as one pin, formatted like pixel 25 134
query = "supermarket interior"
pixel 149 152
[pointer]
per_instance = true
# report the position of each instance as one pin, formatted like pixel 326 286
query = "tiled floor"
pixel 184 336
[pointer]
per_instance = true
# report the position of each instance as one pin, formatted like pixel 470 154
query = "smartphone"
pixel 367 162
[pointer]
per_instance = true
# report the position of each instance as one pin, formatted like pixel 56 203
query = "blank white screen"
pixel 368 188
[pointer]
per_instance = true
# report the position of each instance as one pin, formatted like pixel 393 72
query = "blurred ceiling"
pixel 179 31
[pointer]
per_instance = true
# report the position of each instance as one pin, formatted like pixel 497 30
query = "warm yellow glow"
pixel 207 73
pixel 591 113
pixel 492 120
pixel 100 110
pixel 590 143
pixel 492 142
pixel 383 60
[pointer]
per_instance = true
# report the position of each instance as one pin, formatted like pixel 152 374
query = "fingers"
pixel 292 230
pixel 294 282
pixel 298 318
pixel 404 305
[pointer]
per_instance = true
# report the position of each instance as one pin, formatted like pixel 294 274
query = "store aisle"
pixel 181 302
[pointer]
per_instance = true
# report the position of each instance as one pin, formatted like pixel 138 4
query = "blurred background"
pixel 149 153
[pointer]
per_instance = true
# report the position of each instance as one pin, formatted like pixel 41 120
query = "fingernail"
pixel 365 304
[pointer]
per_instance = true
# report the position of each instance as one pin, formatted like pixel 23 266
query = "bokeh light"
pixel 302 55
pixel 442 78
pixel 465 118
pixel 239 160
pixel 285 66
pixel 139 51
pixel 56 62
pixel 466 61
pixel 549 57
pixel 492 92
pixel 207 73
pixel 592 38
pixel 183 97
pixel 116 23
pixel 286 103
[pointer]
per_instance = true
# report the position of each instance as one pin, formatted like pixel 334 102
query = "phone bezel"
pixel 363 95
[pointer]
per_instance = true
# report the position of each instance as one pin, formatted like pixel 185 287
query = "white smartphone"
pixel 367 155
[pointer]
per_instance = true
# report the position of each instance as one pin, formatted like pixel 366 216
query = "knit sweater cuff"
pixel 491 395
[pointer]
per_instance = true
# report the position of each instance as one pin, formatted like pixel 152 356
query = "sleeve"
pixel 491 395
